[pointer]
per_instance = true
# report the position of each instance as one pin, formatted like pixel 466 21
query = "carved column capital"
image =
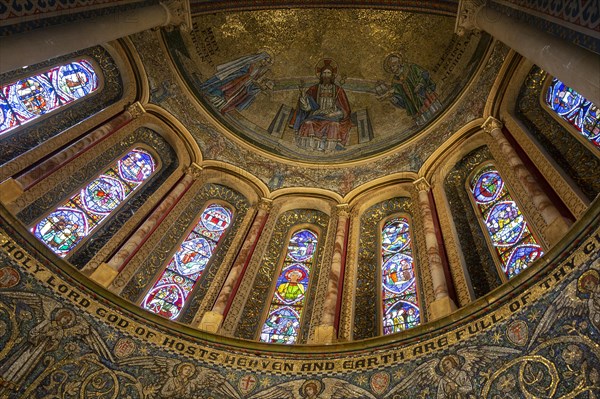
pixel 136 110
pixel 421 184
pixel 342 210
pixel 265 204
pixel 467 12
pixel 491 124
pixel 179 13
pixel 194 170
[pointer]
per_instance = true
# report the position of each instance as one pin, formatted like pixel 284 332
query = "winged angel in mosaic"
pixel 172 378
pixel 581 298
pixel 53 325
pixel 314 389
pixel 452 374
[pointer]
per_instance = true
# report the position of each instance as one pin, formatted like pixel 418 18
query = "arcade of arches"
pixel 294 199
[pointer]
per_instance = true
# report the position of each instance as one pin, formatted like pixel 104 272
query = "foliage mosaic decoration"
pixel 75 219
pixel 509 233
pixel 29 98
pixel 575 109
pixel 398 281
pixel 283 319
pixel 168 295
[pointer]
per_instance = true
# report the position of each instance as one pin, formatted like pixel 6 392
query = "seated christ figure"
pixel 322 118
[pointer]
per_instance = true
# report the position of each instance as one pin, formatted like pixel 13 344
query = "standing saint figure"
pixel 236 84
pixel 411 88
pixel 322 118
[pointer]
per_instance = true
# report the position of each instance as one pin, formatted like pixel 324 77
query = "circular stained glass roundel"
pixel 302 245
pixel 488 187
pixel 77 79
pixel 505 223
pixel 103 194
pixel 216 218
pixel 395 235
pixel 136 166
pixel 193 256
pixel 62 230
pixel 397 273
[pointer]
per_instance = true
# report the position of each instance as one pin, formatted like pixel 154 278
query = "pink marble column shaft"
pixel 436 267
pixel 55 162
pixel 535 193
pixel 333 284
pixel 236 273
pixel 135 242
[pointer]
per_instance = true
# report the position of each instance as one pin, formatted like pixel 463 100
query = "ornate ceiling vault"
pixel 404 193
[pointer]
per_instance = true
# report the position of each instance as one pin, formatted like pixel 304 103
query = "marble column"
pixel 107 272
pixel 575 66
pixel 556 227
pixel 325 332
pixel 443 304
pixel 41 44
pixel 212 320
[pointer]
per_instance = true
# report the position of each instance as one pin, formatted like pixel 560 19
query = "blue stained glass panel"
pixel 95 202
pixel 292 284
pixel 575 109
pixel 28 98
pixel 395 236
pixel 62 230
pixel 397 275
pixel 136 166
pixel 282 325
pixel 103 195
pixel 188 263
pixel 302 245
pixel 283 322
pixel 398 282
pixel 505 223
pixel 400 315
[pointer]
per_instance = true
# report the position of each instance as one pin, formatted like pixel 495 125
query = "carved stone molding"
pixel 136 110
pixel 265 204
pixel 422 184
pixel 467 13
pixel 491 124
pixel 179 13
pixel 194 170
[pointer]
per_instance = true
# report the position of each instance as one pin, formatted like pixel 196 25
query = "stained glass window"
pixel 509 232
pixel 168 295
pixel 29 98
pixel 398 282
pixel 75 219
pixel 283 319
pixel 575 109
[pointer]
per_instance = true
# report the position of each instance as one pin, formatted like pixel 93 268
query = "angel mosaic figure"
pixel 330 388
pixel 172 378
pixel 568 304
pixel 56 324
pixel 452 374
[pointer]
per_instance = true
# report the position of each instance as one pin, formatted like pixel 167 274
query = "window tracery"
pixel 66 226
pixel 398 281
pixel 508 231
pixel 34 96
pixel 169 294
pixel 282 324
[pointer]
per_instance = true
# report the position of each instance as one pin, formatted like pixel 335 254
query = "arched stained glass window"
pixel 282 325
pixel 575 109
pixel 508 230
pixel 29 98
pixel 168 295
pixel 398 282
pixel 75 219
